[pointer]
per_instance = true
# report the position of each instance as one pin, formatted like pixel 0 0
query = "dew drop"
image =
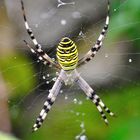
pixel 36 25
pixel 77 113
pixel 66 97
pixel 54 79
pixel 82 125
pixel 47 82
pixel 44 77
pixel 71 111
pixel 75 101
pixel 61 91
pixel 106 55
pixel 76 14
pixel 63 22
pixel 130 60
pixel 57 73
pixel 53 59
pixel 80 102
pixel 83 137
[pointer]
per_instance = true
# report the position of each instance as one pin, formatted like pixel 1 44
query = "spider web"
pixel 115 66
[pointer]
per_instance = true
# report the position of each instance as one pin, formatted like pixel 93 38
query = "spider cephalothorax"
pixel 67 57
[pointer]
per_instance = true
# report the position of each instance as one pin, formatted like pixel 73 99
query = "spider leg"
pixel 38 50
pixel 42 57
pixel 91 53
pixel 49 102
pixel 93 96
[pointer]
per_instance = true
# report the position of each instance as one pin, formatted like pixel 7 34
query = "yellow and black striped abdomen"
pixel 67 54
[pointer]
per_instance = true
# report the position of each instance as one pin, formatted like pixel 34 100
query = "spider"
pixel 67 56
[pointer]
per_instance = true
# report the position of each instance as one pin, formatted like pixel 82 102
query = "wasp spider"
pixel 67 56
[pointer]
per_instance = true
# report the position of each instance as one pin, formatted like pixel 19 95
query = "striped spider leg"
pixel 92 95
pixel 91 53
pixel 50 100
pixel 64 76
pixel 40 53
pixel 42 57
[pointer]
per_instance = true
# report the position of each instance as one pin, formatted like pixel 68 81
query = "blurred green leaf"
pixel 6 137
pixel 125 20
pixel 18 72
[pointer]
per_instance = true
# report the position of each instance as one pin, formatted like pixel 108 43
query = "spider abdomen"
pixel 67 54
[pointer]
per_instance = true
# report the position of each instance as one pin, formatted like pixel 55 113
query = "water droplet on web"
pixel 80 102
pixel 71 111
pixel 48 14
pixel 77 113
pixel 66 83
pixel 76 14
pixel 43 77
pixel 106 55
pixel 83 137
pixel 83 114
pixel 47 82
pixel 75 101
pixel 66 97
pixel 77 137
pixel 54 79
pixel 82 125
pixel 57 73
pixel 36 25
pixel 61 91
pixel 53 59
pixel 63 22
pixel 130 60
